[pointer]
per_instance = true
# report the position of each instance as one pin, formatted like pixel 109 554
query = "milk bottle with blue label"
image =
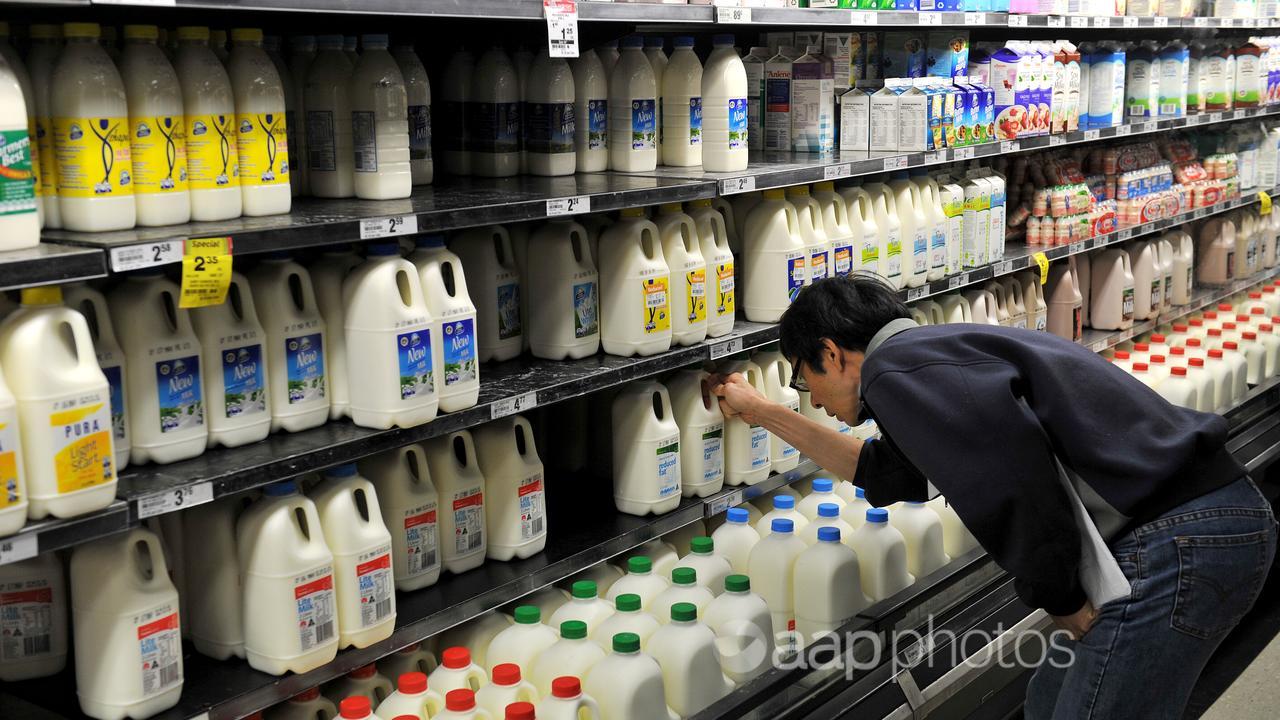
pixel 725 134
pixel 836 223
pixel 646 450
pixel 892 235
pixel 812 232
pixel 418 89
pixel 590 112
pixel 234 354
pixel 682 106
pixel 165 381
pixel 296 343
pixel 550 123
pixel 494 283
pixel 493 116
pixel 445 288
pixel 565 323
pixel 93 306
pixel 653 50
pixel 701 433
pixel 777 258
pixel 633 110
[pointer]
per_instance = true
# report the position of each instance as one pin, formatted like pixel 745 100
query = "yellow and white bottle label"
pixel 46 157
pixel 213 160
pixel 81 432
pixel 159 146
pixel 264 149
pixel 10 493
pixel 725 290
pixel 94 158
pixel 37 172
pixel 657 316
pixel 696 295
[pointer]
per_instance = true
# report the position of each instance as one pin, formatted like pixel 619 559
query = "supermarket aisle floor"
pixel 1254 695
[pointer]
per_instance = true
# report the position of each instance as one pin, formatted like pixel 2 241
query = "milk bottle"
pixel 454 317
pixel 506 689
pixel 522 642
pixel 1063 312
pixel 412 697
pixel 710 569
pixel 809 219
pixel 233 352
pixel 1239 367
pixel 1113 305
pixel 628 683
pixel 724 92
pixel 686 651
pixel 476 634
pixel 302 53
pixel 823 492
pixel 364 683
pixel 628 617
pixel 688 270
pixel 34 601
pixel 747 446
pixel 455 672
pixel 603 574
pixel 922 531
pixel 379 124
pixel 1179 389
pixel 916 231
pixel 1183 268
pixel 951 197
pixel 640 581
pixel 261 143
pixel 330 155
pixel 218 45
pixel 713 239
pixel 93 306
pixel 418 93
pixel 684 588
pixel 46 44
pixel 213 168
pixel 564 323
pixel 461 705
pixel 835 221
pixel 701 424
pixel 451 460
pixel 91 136
pixel 777 267
pixel 633 99
pixel 783 506
pixel 213 603
pixel 882 556
pixel 306 705
pixel 646 450
pixel 415 657
pixel 1145 264
pixel 771 564
pixel 608 52
pixel 956 538
pixel 550 124
pixel 682 106
pixel 663 554
pixel 292 102
pixel 165 385
pixel 869 236
pixel 935 220
pixel 776 376
pixel 493 116
pixel 590 112
pixel 1255 355
pixel 124 610
pixel 828 515
pixel 296 339
pixel 515 513
pixel 573 654
pixel 13 513
pixel 635 286
pixel 892 235
pixel 328 273
pixel 682 537
pixel 566 702
pixel 743 627
pixel 456 102
pixel 657 58
pixel 355 707
pixel 157 135
pixel 828 591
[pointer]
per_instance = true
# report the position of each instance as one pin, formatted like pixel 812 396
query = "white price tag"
pixel 1215 117
pixel 1009 146
pixel 513 405
pixel 1130 21
pixel 975 18
pixel 18 548
pixel 388 226
pixel 726 348
pixel 1056 140
pixel 1079 21
pixel 963 153
pixel 863 18
pixel 1200 22
pixel 1017 21
pixel 147 3
pixel 1077 247
pixel 953 282
pixel 569 206
pixel 930 18
pixel 833 172
pixel 171 500
pixel 733 15
pixel 898 162
pixel 1004 268
pixel 915 294
pixel 1101 22
pixel 1125 234
pixel 1091 134
pixel 136 257
pixel 1123 129
pixel 562 27
pixel 1056 21
pixel 738 185
pixel 1162 22
pixel 723 503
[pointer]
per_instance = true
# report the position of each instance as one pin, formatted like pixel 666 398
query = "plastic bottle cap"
pixel 784 502
pixel 737 515
pixel 828 510
pixel 684 576
pixel 1177 351
pixel 280 489
pixel 878 515
pixel 1193 342
pixel 354 707
pixel 1122 355
pixel 45 32
pixel 1215 354
pixel 141 32
pixel 774 194
pixel 460 700
pixel 702 545
pixel 432 240
pixel 670 209
pixel 566 686
pixel 1228 345
pixel 193 32
pixel 1244 318
pixel 859 493
pixel 1210 315
pixel 684 612
pixel 1258 310
pixel 412 683
pixel 626 642
pixel 1157 338
pixel 737 583
pixel 585 589
pixel 1141 347
pixel 344 470
pixel 506 674
pixel 455 658
pixel 1157 359
pixel 1196 362
pixel 1139 367
pixel 81 30
pixel 1179 328
pixel 375 40
pixel 382 248
pixel 573 630
pixel 1179 371
pixel 1251 336
pixel 528 615
pixel 722 39
pixel 1255 295
pixel 1266 327
pixel 363 673
pixel 823 485
pixel 700 203
pixel 307 695
pixel 246 35
pixel 682 41
pixel 640 564
pixel 632 41
pixel 49 295
pixel 798 190
pixel 520 711
pixel 627 602
pixel 654 41
pixel 1228 326
pixel 829 534
pixel 824 186
pixel 1224 307
pixel 1196 322
pixel 782 525
pixel 631 212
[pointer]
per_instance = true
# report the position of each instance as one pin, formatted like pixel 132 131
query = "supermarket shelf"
pixel 54 534
pixel 486 9
pixel 49 263
pixel 458 203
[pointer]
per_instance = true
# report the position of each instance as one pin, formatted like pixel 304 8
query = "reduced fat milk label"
pixel 421 539
pixel 585 310
pixel 26 619
pixel 17 176
pixel 597 124
pixel 509 310
pixel 81 430
pixel 842 258
pixel 818 264
pixel 738 123
pixel 468 520
pixel 159 150
pixel 179 393
pixel 460 352
pixel 419 132
pixel 94 157
pixel 316 604
pixel 695 121
pixel 322 152
pixel 533 507
pixel 725 296
pixel 160 645
pixel 894 259
pixel 115 383
pixel 657 318
pixel 9 494
pixel 795 274
pixel 304 356
pixel 787 449
pixel 669 466
pixel 712 452
pixel 417 377
pixel 695 285
pixel 244 381
pixel 493 127
pixel 920 253
pixel 364 140
pixel 212 158
pixel 549 127
pixel 263 147
pixel 759 447
pixel 373 580
pixel 644 124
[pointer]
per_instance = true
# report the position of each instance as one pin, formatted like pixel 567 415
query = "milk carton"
pixel 1106 86
pixel 1013 95
pixel 1142 85
pixel 778 110
pixel 855 121
pixel 1174 79
pixel 812 94
pixel 905 54
pixel 948 53
pixel 884 117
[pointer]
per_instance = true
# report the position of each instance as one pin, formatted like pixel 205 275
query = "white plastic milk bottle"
pixel 633 110
pixel 828 515
pixel 456 474
pixel 686 651
pixel 409 504
pixel 493 279
pixel 93 306
pixel 550 122
pixel 869 237
pixel 892 235
pixel 956 538
pixel 454 317
pixel 735 538
pixel 456 672
pixel 418 90
pixel 772 568
pixel 775 262
pixel 330 159
pixel 290 609
pixel 922 530
pixel 835 222
pixel 328 273
pixel 724 103
pixel 628 616
pixel 46 44
pixel 476 634
pixel 379 123
pixel 682 106
pixel 157 135
pixel 566 702
pixel 392 376
pixel 213 167
pixel 683 252
pixel 646 450
pixel 936 221
pixel 34 598
pixel 746 446
pixel 365 684
pixel 590 112
pixel 91 136
pixel 701 425
pixel 124 612
pixel 213 608
pixel 165 382
pixel 640 580
pixel 783 506
pixel 493 116
pixel 522 642
pixel 882 556
pixel 13 511
pixel 573 655
pixel 456 99
pixel 565 322
pixel 828 587
pixel 684 588
pixel 627 683
pixel 506 688
pixel 234 356
pixel 823 491
pixel 812 233
pixel 262 146
pixel 515 496
pixel 713 239
pixel 603 574
pixel 915 230
pixel 296 343
pixel 776 372
pixel 635 287
pixel 743 627
pixel 710 567
pixel 412 697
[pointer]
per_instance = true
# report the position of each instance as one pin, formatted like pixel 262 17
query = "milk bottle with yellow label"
pixel 495 287
pixel 456 474
pixel 296 343
pixel 93 306
pixel 91 136
pixel 445 287
pixel 234 354
pixel 261 141
pixel 379 124
pixel 328 272
pixel 701 433
pixel 165 377
pixel 46 44
pixel 635 287
pixel 565 323
pixel 646 450
pixel 683 252
pixel 746 447
pixel 516 507
pixel 776 258
pixel 418 90
pixel 410 510
pixel 713 239
pixel 13 492
pixel 157 130
pixel 330 157
pixel 213 165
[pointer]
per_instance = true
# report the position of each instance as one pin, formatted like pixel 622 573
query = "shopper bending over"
pixel 999 420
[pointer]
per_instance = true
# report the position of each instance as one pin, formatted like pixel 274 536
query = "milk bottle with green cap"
pixel 572 655
pixel 157 130
pixel 261 140
pixel 46 45
pixel 628 683
pixel 711 568
pixel 685 649
pixel 522 642
pixel 627 617
pixel 684 588
pixel 640 580
pixel 213 164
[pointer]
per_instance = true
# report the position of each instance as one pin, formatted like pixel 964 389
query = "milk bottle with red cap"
pixel 476 634
pixel 1179 389
pixel 522 642
pixel 685 649
pixel 412 697
pixel 882 556
pixel 456 671
pixel 566 702
pixel 356 707
pixel 306 705
pixel 573 654
pixel 461 705
pixel 506 688
pixel 414 657
pixel 365 682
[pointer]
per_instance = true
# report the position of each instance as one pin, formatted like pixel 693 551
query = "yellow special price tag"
pixel 206 272
pixel 1043 262
pixel 1264 203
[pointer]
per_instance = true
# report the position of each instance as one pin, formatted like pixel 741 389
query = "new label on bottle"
pixel 533 504
pixel 81 430
pixel 585 310
pixel 422 552
pixel 263 148
pixel 669 466
pixel 413 349
pixel 115 386
pixel 938 248
pixel 509 310
pixel 598 124
pixel 9 494
pixel 725 290
pixel 696 295
pixel 212 154
pixel 373 579
pixel 460 363
pixel 179 394
pixel 17 177
pixel 738 123
pixel 549 127
pixel 304 358
pixel 159 147
pixel 314 598
pixel 244 381
pixel 920 253
pixel 657 318
pixel 795 274
pixel 160 644
pixel 712 452
pixel 644 124
pixel 695 121
pixel 468 520
pixel 93 157
pixel 26 619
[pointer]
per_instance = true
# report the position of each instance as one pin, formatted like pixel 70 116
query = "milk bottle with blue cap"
pixel 685 649
pixel 823 492
pixel 646 450
pixel 701 433
pixel 633 110
pixel 628 683
pixel 456 474
pixel 734 539
pixel 828 586
pixel 882 556
pixel 784 506
pixel 922 531
pixel 828 515
pixel 454 318
pixel 725 133
pixel 296 343
pixel 93 305
pixel 380 124
pixel 772 565
pixel 640 580
pixel 635 287
pixel 776 258
pixel 330 159
pixel 234 353
pixel 261 143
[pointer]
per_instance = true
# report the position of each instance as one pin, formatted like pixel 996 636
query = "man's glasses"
pixel 798 383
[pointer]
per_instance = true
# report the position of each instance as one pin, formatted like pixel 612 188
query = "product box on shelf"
pixel 948 54
pixel 855 121
pixel 905 54
pixel 884 116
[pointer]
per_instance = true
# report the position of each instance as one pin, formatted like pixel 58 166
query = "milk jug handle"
pixel 414 454
pixel 155 553
pixel 85 357
pixel 522 426
pixel 469 453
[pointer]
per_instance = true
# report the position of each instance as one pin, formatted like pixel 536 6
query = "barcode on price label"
pixel 18 548
pixel 1009 146
pixel 1125 234
pixel 569 206
pixel 1200 22
pixel 722 504
pixel 1215 117
pixel 513 405
pixel 1056 21
pixel 562 27
pixel 1017 21
pixel 898 162
pixel 375 228
pixel 1056 140
pixel 963 153
pixel 136 257
pixel 738 185
pixel 177 499
pixel 726 348
pixel 833 172
pixel 1077 247
pixel 956 281
pixel 1079 22
pixel 1123 130
pixel 733 15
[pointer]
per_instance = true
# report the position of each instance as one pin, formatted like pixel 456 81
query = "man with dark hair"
pixel 1060 464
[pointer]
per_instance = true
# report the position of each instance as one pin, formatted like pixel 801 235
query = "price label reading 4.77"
pixel 562 28
pixel 375 228
pixel 513 405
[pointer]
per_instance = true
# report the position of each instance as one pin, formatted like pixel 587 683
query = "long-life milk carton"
pixel 855 121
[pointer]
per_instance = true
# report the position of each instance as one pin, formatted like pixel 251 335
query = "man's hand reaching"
pixel 738 398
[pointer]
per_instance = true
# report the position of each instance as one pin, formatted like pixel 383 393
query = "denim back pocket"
pixel 1219 577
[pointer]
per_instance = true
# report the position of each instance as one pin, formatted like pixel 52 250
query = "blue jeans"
pixel 1195 572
